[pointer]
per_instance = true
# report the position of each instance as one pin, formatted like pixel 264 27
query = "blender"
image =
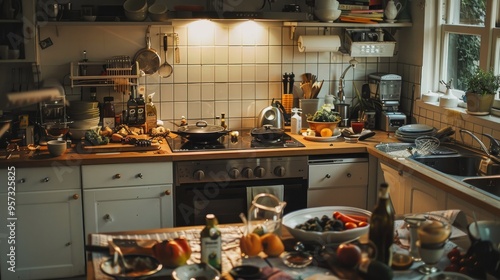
pixel 387 89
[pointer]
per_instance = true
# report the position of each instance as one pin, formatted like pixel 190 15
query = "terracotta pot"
pixel 479 104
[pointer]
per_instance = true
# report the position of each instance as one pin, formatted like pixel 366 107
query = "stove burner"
pixel 243 142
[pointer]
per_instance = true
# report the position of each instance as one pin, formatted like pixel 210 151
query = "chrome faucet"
pixel 352 64
pixel 494 145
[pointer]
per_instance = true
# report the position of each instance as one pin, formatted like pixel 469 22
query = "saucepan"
pixel 201 132
pixel 267 133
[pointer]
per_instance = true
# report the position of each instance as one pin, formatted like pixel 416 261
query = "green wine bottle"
pixel 382 226
pixel 211 243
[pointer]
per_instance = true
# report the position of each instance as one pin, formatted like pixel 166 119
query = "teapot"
pixel 265 214
pixel 391 10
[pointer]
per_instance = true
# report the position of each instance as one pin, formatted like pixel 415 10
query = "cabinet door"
pixel 421 197
pixel 397 180
pixel 338 196
pixel 453 202
pixel 48 235
pixel 128 208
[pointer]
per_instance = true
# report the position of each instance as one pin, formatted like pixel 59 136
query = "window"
pixel 469 39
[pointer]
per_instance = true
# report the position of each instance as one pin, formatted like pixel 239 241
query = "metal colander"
pixel 426 144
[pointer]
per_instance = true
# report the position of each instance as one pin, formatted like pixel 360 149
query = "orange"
pixel 272 244
pixel 326 132
pixel 250 244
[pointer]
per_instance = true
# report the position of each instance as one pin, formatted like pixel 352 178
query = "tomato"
pixel 455 252
pixel 452 267
pixel 350 225
pixel 455 259
pixel 362 224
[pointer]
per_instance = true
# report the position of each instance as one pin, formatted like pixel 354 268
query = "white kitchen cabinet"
pixel 453 202
pixel 397 180
pixel 422 197
pixel 49 226
pixel 338 182
pixel 132 196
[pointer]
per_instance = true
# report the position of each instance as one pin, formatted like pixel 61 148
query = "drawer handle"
pixel 76 196
pixel 139 175
pixel 349 175
pixel 67 244
pixel 328 176
pixel 168 192
pixel 400 172
pixel 107 218
pixel 117 176
pixel 22 181
pixel 46 179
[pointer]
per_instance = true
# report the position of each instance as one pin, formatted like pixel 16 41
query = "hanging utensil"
pixel 148 58
pixel 166 69
pixel 176 49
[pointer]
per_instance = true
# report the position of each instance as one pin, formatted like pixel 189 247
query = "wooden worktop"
pixel 164 154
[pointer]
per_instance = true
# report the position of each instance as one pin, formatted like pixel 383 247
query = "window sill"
pixel 491 121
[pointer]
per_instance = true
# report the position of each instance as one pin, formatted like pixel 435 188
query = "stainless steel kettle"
pixel 272 115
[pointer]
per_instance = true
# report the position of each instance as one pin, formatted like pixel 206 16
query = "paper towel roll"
pixel 319 43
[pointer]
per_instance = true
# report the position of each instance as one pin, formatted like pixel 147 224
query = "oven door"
pixel 194 201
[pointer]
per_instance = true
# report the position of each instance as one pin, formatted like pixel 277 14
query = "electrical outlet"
pixel 46 43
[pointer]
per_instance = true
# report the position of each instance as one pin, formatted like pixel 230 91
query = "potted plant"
pixel 361 105
pixel 323 118
pixel 481 89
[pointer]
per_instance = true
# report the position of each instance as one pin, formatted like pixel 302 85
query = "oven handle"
pixel 336 160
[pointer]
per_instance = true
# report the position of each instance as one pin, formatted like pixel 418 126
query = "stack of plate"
pixel 83 114
pixel 408 133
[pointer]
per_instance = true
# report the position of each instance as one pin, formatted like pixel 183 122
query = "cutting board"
pixel 114 148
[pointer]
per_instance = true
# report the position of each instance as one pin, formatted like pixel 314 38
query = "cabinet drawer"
pixel 332 175
pixel 56 177
pixel 128 174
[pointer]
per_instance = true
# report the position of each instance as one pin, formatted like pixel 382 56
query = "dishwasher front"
pixel 338 180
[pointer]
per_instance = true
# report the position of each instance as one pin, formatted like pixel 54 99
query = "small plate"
pixel 296 259
pixel 321 139
pixel 416 128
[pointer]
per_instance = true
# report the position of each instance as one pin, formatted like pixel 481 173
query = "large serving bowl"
pixel 295 218
pixel 195 271
pixel 136 10
pixel 318 126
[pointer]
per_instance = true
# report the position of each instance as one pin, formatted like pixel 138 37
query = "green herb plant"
pixel 325 114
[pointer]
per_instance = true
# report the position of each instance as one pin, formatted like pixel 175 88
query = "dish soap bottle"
pixel 151 115
pixel 296 121
pixel 211 243
pixel 381 231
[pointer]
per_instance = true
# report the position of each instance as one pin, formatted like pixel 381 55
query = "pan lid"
pixel 201 127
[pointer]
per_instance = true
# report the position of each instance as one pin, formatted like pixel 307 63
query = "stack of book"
pixel 361 11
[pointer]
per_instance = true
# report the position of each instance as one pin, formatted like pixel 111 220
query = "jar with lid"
pixel 108 112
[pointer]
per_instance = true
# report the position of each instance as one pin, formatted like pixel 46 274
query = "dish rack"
pixel 369 48
pixel 117 72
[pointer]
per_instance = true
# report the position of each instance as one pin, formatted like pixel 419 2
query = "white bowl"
pixel 290 220
pixel 89 18
pixel 56 147
pixel 136 10
pixel 326 4
pixel 158 8
pixel 488 230
pixel 327 15
pixel 195 271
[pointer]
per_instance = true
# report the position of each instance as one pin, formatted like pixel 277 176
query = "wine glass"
pixel 433 234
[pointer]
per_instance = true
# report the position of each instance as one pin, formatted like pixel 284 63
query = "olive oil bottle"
pixel 382 226
pixel 211 243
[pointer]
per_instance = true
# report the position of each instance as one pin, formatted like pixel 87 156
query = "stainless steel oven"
pixel 227 187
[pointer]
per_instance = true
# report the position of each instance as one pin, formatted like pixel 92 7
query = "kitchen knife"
pixel 291 81
pixel 366 135
pixel 285 83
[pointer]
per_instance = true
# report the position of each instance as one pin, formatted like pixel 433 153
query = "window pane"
pixel 463 57
pixel 470 12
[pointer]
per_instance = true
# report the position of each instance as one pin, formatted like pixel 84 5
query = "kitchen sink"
pixel 461 165
pixel 490 185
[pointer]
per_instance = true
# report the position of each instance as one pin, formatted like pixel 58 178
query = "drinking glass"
pixel 433 234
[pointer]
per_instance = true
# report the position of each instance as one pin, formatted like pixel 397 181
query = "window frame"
pixel 489 34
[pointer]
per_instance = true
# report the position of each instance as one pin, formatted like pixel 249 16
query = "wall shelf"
pixel 345 24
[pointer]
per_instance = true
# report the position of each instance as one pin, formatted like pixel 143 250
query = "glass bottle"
pixel 141 109
pixel 108 112
pixel 382 226
pixel 131 110
pixel 211 243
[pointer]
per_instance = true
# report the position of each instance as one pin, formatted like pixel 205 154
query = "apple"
pixel 348 255
pixel 272 244
pixel 172 253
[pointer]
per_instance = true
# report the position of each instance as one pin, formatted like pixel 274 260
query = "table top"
pixel 232 255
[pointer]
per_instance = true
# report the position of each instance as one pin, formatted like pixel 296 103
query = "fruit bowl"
pixel 295 218
pixel 318 126
pixel 195 271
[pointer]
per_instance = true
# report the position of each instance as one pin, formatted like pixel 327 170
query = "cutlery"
pixel 124 266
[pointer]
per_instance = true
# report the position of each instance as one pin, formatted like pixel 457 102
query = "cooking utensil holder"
pixel 287 102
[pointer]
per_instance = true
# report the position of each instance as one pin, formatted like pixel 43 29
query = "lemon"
pixel 326 132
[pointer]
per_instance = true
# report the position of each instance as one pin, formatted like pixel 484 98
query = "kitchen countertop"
pixel 164 154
